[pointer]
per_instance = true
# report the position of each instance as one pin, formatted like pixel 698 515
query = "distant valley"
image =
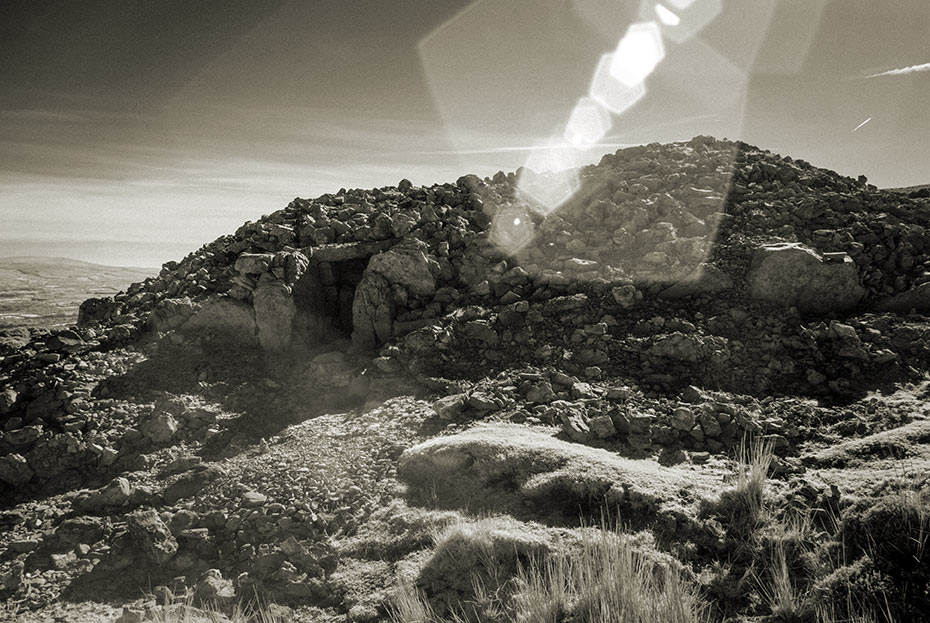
pixel 46 292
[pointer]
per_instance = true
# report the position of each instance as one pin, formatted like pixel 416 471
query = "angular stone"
pixel 682 419
pixel 169 314
pixel 117 493
pixel 15 470
pixel 152 536
pixel 372 311
pixel 541 393
pixel 406 265
pixel 160 428
pixel 602 426
pixel 254 263
pixel 252 499
pixel 214 590
pixel 448 407
pixel 192 482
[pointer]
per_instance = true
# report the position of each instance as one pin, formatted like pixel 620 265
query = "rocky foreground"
pixel 310 410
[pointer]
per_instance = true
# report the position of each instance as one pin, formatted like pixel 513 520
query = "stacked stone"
pixel 626 278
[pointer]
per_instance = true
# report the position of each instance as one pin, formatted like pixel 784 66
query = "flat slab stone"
pixel 349 251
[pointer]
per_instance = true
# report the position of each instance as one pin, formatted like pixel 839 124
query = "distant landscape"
pixel 46 292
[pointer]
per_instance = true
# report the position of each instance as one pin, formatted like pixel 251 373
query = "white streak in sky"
pixel 903 71
pixel 862 124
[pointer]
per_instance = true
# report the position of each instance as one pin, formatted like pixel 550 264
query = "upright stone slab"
pixel 405 265
pixel 274 315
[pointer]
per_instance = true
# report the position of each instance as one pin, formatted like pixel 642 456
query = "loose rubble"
pixel 688 297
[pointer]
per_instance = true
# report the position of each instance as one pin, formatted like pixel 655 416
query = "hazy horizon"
pixel 135 132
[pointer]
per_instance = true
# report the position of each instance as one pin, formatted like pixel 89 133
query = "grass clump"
pixel 746 501
pixel 607 581
pixel 602 579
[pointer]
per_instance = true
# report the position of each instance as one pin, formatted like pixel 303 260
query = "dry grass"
pixel 186 612
pixel 609 582
pixel 754 459
pixel 604 580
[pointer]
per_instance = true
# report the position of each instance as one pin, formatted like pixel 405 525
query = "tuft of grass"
pixel 780 592
pixel 612 583
pixel 410 606
pixel 754 460
pixel 602 580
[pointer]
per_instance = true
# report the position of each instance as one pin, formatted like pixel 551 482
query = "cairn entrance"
pixel 324 294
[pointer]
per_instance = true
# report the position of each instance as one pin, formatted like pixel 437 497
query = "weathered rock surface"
pixel 632 319
pixel 917 299
pixel 226 318
pixel 793 274
pixel 274 315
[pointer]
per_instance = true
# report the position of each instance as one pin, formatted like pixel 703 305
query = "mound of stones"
pixel 708 262
pixel 678 301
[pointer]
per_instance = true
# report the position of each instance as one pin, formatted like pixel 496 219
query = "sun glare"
pixel 588 123
pixel 683 18
pixel 666 16
pixel 639 52
pixel 610 92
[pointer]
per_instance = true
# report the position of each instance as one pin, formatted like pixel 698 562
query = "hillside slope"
pixel 296 409
pixel 46 292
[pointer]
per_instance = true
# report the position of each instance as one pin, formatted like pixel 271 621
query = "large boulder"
pixel 152 536
pixel 226 317
pixel 507 468
pixel 792 274
pixel 170 314
pixel 406 264
pixel 15 470
pixel 94 311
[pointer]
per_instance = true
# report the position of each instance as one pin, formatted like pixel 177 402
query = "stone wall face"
pixel 696 219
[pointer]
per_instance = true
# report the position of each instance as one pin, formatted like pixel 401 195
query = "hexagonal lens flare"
pixel 550 176
pixel 666 16
pixel 610 92
pixel 588 123
pixel 638 53
pixel 512 229
pixel 681 19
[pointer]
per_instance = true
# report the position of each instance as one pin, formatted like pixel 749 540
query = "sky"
pixel 133 131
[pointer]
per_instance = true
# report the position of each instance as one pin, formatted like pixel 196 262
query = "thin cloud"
pixel 913 69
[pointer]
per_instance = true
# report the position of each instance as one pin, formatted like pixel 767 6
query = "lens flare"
pixel 512 229
pixel 610 92
pixel 666 16
pixel 638 53
pixel 588 123
pixel 684 19
pixel 550 176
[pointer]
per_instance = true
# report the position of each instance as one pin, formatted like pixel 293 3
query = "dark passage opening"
pixel 324 296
